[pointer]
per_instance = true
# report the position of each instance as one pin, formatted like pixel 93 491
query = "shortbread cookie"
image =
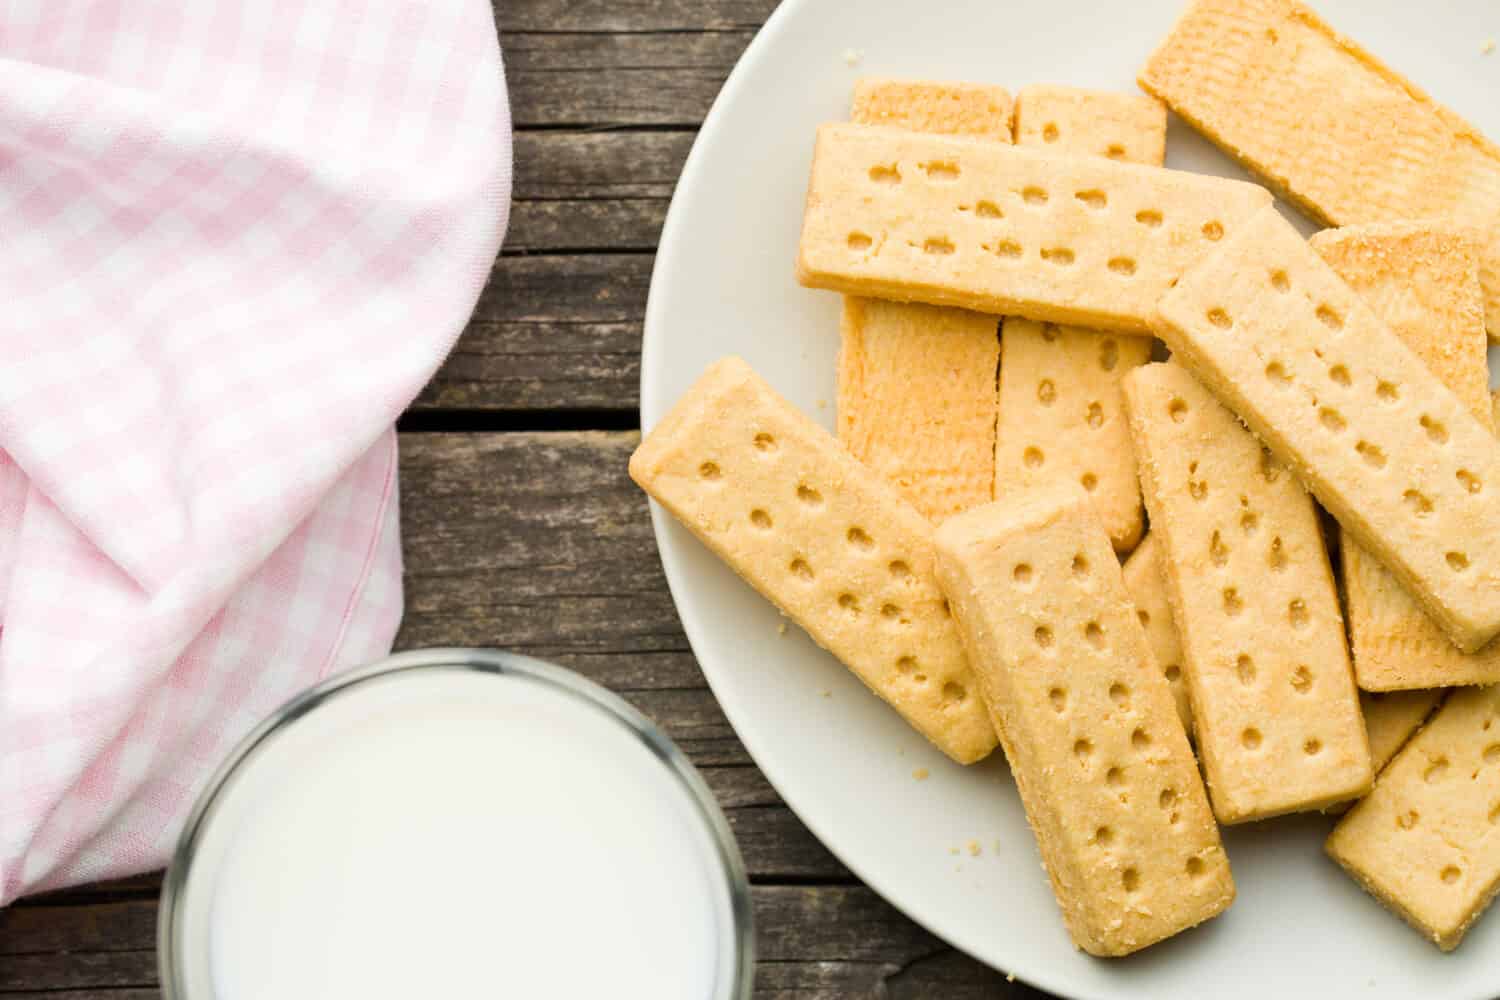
pixel 916 383
pixel 823 538
pixel 1386 446
pixel 1423 841
pixel 1391 717
pixel 916 400
pixel 1129 127
pixel 1023 232
pixel 1275 709
pixel 1090 728
pixel 1325 123
pixel 1062 417
pixel 1148 589
pixel 944 107
pixel 1423 282
pixel 1060 408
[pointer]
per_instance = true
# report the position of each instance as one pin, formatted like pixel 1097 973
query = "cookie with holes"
pixel 980 225
pixel 1422 280
pixel 1423 841
pixel 1275 708
pixel 916 383
pixel 822 537
pixel 1062 417
pixel 1388 448
pixel 1089 724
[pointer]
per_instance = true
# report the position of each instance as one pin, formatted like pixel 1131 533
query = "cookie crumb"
pixel 1487 46
pixel 974 848
pixel 852 57
pixel 826 693
pixel 952 850
pixel 997 846
pixel 781 629
pixel 822 404
pixel 920 774
pixel 1010 977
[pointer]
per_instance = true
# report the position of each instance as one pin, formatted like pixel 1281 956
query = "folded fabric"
pixel 238 238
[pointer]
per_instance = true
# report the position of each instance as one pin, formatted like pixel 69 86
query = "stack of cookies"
pixel 1004 437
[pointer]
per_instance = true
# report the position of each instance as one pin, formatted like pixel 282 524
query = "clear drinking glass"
pixel 374 712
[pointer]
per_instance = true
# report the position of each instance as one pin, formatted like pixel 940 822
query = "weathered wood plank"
pixel 594 78
pixel 616 164
pixel 619 16
pixel 586 225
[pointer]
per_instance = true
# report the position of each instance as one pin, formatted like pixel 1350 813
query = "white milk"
pixel 443 833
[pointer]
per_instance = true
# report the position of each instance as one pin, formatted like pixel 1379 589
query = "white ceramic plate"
pixel 843 761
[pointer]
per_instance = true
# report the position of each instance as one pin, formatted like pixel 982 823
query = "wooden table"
pixel 521 528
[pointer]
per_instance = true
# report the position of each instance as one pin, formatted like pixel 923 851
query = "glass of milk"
pixel 456 823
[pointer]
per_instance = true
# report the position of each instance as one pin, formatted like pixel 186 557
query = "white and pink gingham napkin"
pixel 236 237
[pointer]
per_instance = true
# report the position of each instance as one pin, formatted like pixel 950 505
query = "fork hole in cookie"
pixel 1213 230
pixel 1371 453
pixel 1034 195
pixel 1080 565
pixel 1119 694
pixel 709 471
pixel 1130 879
pixel 761 519
pixel 1457 561
pixel 1033 458
pixel 1312 747
pixel 1046 392
pixel 809 496
pixel 765 443
pixel 801 570
pixel 1329 317
pixel 1043 636
pixel 859 539
pixel 1468 480
pixel 1449 874
pixel 1302 680
pixel 1094 633
pixel 1021 574
pixel 1148 217
pixel 1195 867
pixel 1280 282
pixel 1109 354
pixel 1297 614
pixel 1244 669
pixel 1093 198
pixel 1436 432
pixel 1177 409
pixel 1250 738
pixel 1059 699
pixel 860 241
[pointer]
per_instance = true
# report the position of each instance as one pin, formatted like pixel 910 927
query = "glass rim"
pixel 483 661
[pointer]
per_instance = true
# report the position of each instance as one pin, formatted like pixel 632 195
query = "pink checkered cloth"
pixel 236 237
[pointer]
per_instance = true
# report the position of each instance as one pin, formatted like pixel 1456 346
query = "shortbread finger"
pixel 1128 127
pixel 916 383
pixel 1423 841
pixel 823 538
pixel 1386 446
pixel 1089 725
pixel 1060 407
pixel 1325 123
pixel 1423 281
pixel 1148 590
pixel 1275 709
pixel 1022 232
pixel 939 106
pixel 1062 417
pixel 916 400
pixel 1391 717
